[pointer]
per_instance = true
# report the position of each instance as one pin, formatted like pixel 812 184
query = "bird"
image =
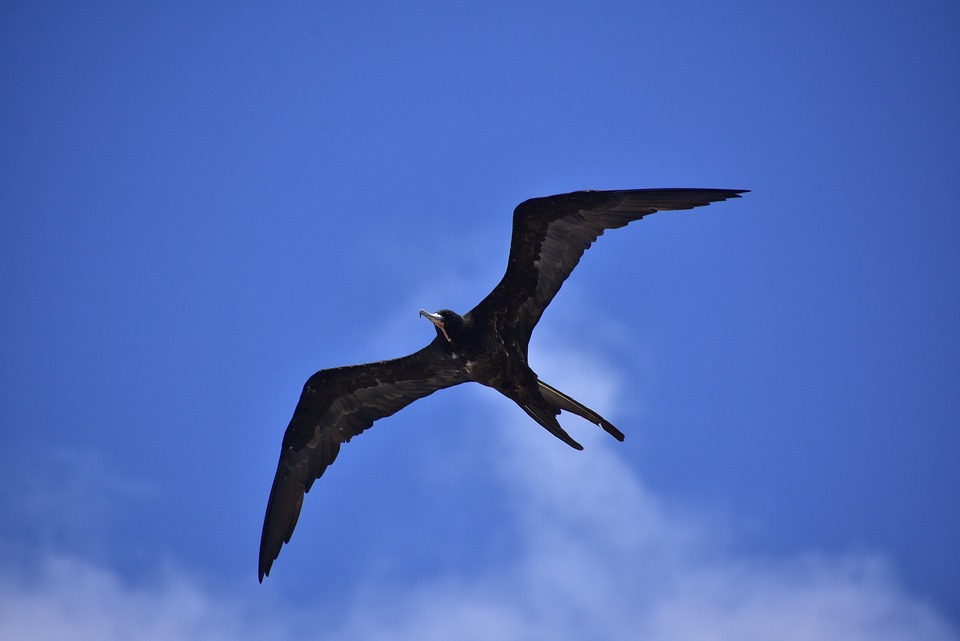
pixel 487 345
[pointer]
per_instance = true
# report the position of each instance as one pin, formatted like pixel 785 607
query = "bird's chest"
pixel 495 366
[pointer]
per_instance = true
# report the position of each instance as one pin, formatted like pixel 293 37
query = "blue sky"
pixel 203 203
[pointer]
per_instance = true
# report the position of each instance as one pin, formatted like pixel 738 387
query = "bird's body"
pixel 487 345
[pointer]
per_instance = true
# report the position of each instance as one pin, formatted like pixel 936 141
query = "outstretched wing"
pixel 336 405
pixel 550 235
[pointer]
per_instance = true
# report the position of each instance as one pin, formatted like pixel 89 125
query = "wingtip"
pixel 725 194
pixel 719 195
pixel 265 562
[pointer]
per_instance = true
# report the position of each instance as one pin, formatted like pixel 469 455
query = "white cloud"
pixel 603 558
pixel 599 557
pixel 72 599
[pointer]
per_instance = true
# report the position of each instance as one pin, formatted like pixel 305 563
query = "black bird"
pixel 487 345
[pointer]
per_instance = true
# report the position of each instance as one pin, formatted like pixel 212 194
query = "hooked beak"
pixel 437 320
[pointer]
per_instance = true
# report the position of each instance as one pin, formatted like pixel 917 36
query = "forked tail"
pixel 547 416
pixel 555 397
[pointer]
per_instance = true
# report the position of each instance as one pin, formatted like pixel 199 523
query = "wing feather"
pixel 551 234
pixel 336 405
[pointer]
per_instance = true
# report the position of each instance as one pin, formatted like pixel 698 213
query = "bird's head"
pixel 448 324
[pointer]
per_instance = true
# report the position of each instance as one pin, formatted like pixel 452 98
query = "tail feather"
pixel 544 417
pixel 556 397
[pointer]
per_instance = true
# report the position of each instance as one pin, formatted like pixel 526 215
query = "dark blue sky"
pixel 203 203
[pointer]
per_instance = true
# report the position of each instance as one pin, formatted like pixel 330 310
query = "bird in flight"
pixel 487 345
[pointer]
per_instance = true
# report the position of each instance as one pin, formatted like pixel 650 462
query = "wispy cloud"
pixel 66 498
pixel 604 558
pixel 599 556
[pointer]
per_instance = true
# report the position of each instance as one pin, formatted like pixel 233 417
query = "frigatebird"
pixel 487 345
